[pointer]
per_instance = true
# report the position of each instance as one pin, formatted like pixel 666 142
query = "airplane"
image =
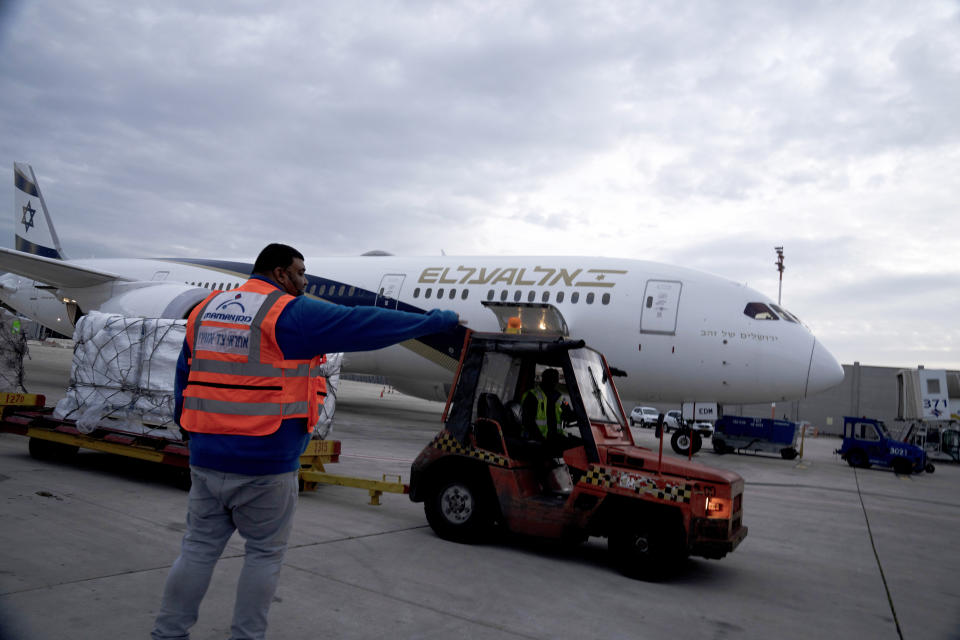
pixel 678 335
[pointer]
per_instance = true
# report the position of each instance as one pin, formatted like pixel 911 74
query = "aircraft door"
pixel 389 290
pixel 661 302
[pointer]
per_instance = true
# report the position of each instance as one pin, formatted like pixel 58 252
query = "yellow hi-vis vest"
pixel 542 409
pixel 239 381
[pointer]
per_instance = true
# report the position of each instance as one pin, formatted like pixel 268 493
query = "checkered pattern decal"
pixel 602 477
pixel 446 442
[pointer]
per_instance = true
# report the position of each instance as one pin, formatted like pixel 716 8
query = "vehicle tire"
pixel 680 442
pixel 857 458
pixel 902 466
pixel 929 468
pixel 458 510
pixel 646 549
pixel 789 453
pixel 41 449
pixel 719 445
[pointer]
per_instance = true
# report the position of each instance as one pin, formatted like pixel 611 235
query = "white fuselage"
pixel 679 334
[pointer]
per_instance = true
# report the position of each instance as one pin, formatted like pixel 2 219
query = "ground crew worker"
pixel 544 412
pixel 246 391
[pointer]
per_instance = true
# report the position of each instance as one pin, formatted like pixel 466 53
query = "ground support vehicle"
pixel 740 434
pixel 58 440
pixel 867 442
pixel 480 473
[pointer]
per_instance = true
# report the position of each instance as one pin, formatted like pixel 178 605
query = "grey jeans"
pixel 261 508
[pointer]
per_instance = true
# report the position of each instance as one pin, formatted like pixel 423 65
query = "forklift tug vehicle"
pixel 481 472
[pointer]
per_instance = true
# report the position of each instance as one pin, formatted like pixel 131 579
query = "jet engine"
pixel 154 300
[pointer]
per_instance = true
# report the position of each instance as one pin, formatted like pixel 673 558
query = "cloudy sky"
pixel 697 133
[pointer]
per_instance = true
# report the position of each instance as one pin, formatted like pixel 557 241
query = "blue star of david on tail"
pixel 27 219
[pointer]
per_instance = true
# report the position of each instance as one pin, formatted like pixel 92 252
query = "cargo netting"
pixel 123 372
pixel 13 347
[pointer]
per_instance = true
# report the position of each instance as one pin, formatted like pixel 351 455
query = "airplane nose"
pixel 825 372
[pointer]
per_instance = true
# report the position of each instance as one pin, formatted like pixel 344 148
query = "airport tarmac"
pixel 832 552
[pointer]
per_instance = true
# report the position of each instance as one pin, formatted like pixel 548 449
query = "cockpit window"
pixel 759 311
pixel 786 315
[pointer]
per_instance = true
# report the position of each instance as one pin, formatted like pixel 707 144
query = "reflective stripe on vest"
pixel 541 397
pixel 239 382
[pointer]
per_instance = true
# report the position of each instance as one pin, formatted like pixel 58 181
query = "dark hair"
pixel 275 255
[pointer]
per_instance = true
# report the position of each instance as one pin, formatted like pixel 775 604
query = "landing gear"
pixel 683 438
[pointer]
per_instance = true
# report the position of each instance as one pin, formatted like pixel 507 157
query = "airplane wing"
pixel 58 273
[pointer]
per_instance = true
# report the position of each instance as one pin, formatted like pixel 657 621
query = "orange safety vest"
pixel 239 382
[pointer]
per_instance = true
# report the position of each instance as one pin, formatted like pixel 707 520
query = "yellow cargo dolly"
pixel 52 439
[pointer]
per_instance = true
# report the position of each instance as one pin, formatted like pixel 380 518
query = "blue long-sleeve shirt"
pixel 305 328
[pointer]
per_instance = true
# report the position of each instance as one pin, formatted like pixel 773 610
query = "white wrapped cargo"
pixel 13 346
pixel 331 371
pixel 123 373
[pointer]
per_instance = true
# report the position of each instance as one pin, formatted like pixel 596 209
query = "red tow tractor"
pixel 480 472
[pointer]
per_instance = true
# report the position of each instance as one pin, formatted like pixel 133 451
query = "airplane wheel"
pixel 457 510
pixel 680 442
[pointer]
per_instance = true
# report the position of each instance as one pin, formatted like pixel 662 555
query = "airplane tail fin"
pixel 34 228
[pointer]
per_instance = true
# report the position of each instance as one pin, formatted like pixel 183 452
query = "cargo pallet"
pixel 54 439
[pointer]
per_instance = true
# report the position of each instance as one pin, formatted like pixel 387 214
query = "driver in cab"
pixel 544 412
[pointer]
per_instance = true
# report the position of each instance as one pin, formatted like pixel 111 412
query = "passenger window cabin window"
pixel 453 294
pixel 559 296
pixel 545 297
pixel 322 290
pixel 605 299
pixel 340 291
pixel 351 291
pixel 440 293
pixel 574 297
pixel 428 292
pixel 759 311
pixel 531 296
pixel 590 298
pixel 463 294
pixel 503 295
pixel 516 295
pixel 490 294
pixel 416 292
